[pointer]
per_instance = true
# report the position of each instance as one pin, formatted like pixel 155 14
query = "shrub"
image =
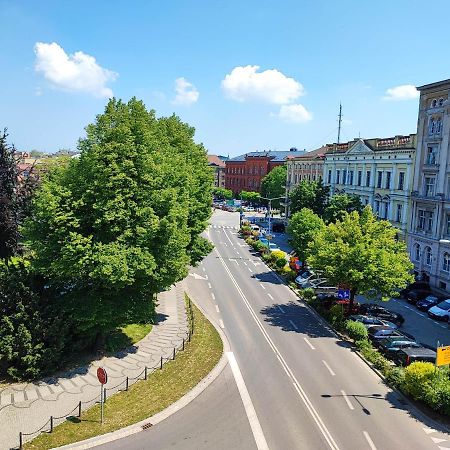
pixel 266 257
pixel 278 254
pixel 249 241
pixel 395 377
pixel 289 273
pixel 246 230
pixel 280 263
pixel 418 377
pixel 356 330
pixel 336 315
pixel 437 395
pixel 307 294
pixel 363 345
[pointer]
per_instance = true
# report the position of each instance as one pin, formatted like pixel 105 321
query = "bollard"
pixel 173 353
pixel 79 409
pixel 183 343
pixel 189 336
pixel 161 363
pixel 126 385
pixel 51 424
pixel 104 395
pixel 20 441
pixel 145 373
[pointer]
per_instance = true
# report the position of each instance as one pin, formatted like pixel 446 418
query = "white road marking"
pixel 197 276
pixel 268 295
pixel 213 296
pixel 250 270
pixel 217 308
pixel 235 260
pixel 293 324
pixel 300 391
pixel 204 270
pixel 245 263
pixel 438 441
pixel 257 431
pixel 309 343
pixel 429 430
pixel 262 286
pixel 347 400
pixel 329 368
pixel 281 309
pixel 369 441
pixel 209 285
pixel 221 323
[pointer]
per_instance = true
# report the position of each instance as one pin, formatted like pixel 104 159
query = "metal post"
pixel 161 363
pixel 126 385
pixel 104 395
pixel 51 424
pixel 145 373
pixel 189 336
pixel 79 409
pixel 101 404
pixel 183 343
pixel 270 203
pixel 173 353
pixel 20 441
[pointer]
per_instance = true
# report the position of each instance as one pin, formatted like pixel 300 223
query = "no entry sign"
pixel 102 375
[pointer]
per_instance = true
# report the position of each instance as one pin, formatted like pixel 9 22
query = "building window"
pixel 446 262
pixel 401 181
pixel 377 207
pixel 359 178
pixel 441 101
pixel 350 177
pixel 429 221
pixel 421 220
pixel 428 256
pixel 388 180
pixel 368 178
pixel 329 177
pixel 417 252
pixel 386 210
pixel 434 103
pixel 447 225
pixel 344 176
pixel 338 176
pixel 380 176
pixel 431 154
pixel 399 212
pixel 429 186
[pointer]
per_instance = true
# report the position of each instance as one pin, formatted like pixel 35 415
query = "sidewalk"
pixel 28 406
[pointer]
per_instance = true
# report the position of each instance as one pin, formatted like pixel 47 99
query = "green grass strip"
pixel 145 398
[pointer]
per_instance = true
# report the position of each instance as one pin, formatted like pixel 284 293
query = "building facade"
pixel 379 171
pixel 429 233
pixel 245 172
pixel 217 164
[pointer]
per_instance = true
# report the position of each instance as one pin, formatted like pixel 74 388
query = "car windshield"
pixel 445 305
pixel 430 298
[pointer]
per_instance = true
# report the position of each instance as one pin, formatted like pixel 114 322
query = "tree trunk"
pixel 352 301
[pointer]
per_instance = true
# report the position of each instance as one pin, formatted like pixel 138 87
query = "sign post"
pixel 103 378
pixel 443 356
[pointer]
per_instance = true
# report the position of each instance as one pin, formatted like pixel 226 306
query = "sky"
pixel 248 75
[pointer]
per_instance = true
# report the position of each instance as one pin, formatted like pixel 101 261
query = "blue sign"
pixel 343 294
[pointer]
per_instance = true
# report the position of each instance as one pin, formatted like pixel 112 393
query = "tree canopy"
pixel 309 194
pixel 362 253
pixel 303 228
pixel 338 204
pixel 222 193
pixel 250 196
pixel 273 184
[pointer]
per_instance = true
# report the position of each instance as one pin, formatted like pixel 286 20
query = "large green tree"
pixel 250 196
pixel 123 221
pixel 362 253
pixel 222 193
pixel 273 185
pixel 309 194
pixel 303 228
pixel 339 204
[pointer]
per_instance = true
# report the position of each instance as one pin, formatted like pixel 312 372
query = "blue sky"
pixel 251 75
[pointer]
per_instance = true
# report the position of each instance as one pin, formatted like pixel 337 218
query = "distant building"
pixel 379 171
pixel 217 163
pixel 245 172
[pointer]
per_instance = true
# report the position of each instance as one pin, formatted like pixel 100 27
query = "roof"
pixel 376 144
pixel 313 154
pixel 437 84
pixel 215 160
pixel 277 156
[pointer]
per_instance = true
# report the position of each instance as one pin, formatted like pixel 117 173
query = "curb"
pixel 172 409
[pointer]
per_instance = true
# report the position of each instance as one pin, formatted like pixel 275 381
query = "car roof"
pixel 419 351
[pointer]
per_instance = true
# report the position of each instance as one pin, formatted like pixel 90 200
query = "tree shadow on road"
pixel 296 318
pixel 267 277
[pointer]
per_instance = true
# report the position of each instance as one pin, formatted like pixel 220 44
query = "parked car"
pixel 390 346
pixel 423 285
pixel 369 321
pixel 406 356
pixel 415 295
pixel 278 227
pixel 379 332
pixel 428 302
pixel 273 246
pixel 372 309
pixel 441 311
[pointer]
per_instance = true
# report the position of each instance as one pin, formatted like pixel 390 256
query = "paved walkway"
pixel 26 407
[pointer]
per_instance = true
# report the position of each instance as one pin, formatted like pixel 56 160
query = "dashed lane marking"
pixel 329 368
pixel 293 324
pixel 438 441
pixel 245 263
pixel 369 441
pixel 217 309
pixel 309 343
pixel 281 309
pixel 250 270
pixel 213 296
pixel 429 430
pixel 209 285
pixel 347 400
pixel 268 295
pixel 262 286
pixel 221 323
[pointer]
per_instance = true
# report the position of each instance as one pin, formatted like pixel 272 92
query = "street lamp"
pixel 270 203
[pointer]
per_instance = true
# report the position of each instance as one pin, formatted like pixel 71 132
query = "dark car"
pixel 369 321
pixel 406 356
pixel 278 227
pixel 415 295
pixel 372 309
pixel 378 332
pixel 428 302
pixel 390 346
pixel 423 285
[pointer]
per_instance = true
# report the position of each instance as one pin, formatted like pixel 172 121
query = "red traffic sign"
pixel 102 375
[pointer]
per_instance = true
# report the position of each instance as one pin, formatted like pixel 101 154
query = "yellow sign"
pixel 443 356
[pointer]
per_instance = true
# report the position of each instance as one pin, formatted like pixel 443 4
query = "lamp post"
pixel 270 204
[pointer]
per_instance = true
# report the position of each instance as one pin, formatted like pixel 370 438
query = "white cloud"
pixel 295 113
pixel 403 92
pixel 272 86
pixel 187 94
pixel 78 72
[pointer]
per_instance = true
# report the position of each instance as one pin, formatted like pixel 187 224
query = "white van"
pixel 254 227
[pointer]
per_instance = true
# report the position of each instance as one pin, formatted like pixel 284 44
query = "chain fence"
pixel 126 382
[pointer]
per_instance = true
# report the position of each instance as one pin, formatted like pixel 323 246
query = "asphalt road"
pixel 291 384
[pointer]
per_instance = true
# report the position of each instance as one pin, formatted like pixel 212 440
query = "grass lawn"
pixel 145 398
pixel 126 336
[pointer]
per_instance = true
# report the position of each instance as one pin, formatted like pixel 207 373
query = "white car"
pixel 273 247
pixel 441 311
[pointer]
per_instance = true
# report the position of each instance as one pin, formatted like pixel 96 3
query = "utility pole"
pixel 340 123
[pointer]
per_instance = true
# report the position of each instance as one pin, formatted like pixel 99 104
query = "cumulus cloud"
pixel 77 73
pixel 271 86
pixel 403 92
pixel 186 92
pixel 295 113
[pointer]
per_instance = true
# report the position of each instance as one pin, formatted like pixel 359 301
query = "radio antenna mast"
pixel 340 123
